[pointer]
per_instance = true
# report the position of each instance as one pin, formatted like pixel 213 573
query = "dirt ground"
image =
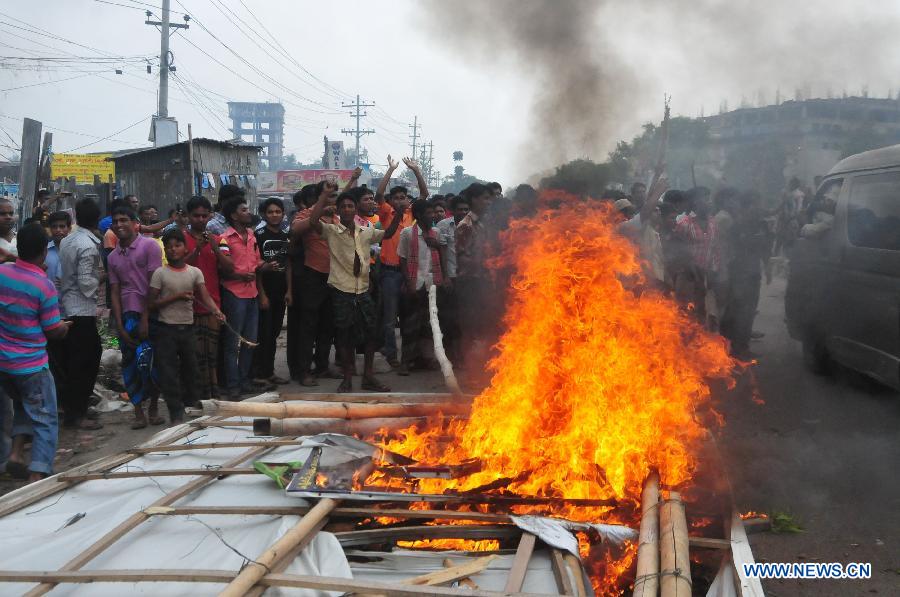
pixel 824 450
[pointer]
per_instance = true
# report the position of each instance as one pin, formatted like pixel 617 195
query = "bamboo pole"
pixel 438 337
pixel 372 397
pixel 646 583
pixel 130 523
pixel 580 588
pixel 289 410
pixel 281 564
pixel 257 569
pixel 360 427
pixel 675 576
pixel 337 512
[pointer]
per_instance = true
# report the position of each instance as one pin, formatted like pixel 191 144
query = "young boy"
pixel 60 223
pixel 354 310
pixel 204 254
pixel 273 243
pixel 172 290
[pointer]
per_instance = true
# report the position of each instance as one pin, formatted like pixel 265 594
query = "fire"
pixel 752 514
pixel 597 381
pixel 452 544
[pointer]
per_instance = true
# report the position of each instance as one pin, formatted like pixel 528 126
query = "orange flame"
pixel 598 379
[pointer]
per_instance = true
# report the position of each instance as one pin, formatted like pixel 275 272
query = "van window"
pixel 873 216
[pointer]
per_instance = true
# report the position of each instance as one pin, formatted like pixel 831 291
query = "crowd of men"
pixel 199 299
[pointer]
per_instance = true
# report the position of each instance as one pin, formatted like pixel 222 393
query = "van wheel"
pixel 815 357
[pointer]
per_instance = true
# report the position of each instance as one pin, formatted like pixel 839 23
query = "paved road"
pixel 827 450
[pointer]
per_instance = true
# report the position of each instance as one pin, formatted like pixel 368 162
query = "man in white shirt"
pixel 420 263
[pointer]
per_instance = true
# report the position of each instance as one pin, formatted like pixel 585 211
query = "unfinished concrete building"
pixel 260 124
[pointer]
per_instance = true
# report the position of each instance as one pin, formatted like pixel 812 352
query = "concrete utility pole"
pixel 415 126
pixel 357 132
pixel 164 64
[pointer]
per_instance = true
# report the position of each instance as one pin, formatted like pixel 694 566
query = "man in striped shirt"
pixel 29 314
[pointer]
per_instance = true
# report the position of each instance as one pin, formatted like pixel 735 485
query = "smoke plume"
pixel 596 69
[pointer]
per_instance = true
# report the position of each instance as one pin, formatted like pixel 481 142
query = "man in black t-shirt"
pixel 273 246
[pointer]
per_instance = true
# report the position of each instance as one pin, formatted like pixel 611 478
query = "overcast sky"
pixel 396 54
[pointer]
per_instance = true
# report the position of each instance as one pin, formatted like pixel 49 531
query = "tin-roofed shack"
pixel 161 176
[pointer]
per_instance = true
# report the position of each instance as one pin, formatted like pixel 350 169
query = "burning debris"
pixel 600 383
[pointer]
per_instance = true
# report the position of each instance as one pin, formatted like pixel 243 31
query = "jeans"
pixel 242 314
pixel 78 367
pixel 34 404
pixel 270 323
pixel 176 356
pixel 390 286
pixel 316 322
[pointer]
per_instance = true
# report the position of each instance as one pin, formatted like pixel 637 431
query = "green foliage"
pixel 581 177
pixel 108 337
pixel 782 522
pixel 457 182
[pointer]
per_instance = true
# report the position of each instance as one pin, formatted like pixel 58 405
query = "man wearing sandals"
pixel 131 264
pixel 354 310
pixel 29 314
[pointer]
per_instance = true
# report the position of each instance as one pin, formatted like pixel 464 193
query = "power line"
pixel 219 5
pixel 253 67
pixel 48 82
pixel 37 31
pixel 288 55
pixel 130 126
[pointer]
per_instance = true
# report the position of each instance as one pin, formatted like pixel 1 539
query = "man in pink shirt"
pixel 243 296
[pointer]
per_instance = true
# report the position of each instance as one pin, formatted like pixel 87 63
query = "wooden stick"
pixel 675 561
pixel 322 583
pixel 257 569
pixel 247 444
pixel 336 513
pixel 282 563
pixel 373 397
pixel 466 582
pixel 408 533
pixel 453 574
pixel 136 519
pixel 361 427
pixel 574 564
pixel 742 554
pixel 176 472
pixel 709 543
pixel 289 410
pixel 438 337
pixel 560 572
pixel 646 582
pixel 519 567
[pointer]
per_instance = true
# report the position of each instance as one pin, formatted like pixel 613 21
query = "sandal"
pixel 89 425
pixel 155 419
pixel 139 423
pixel 373 385
pixel 346 386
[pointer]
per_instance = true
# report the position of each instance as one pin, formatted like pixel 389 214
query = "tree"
pixel 289 162
pixel 457 182
pixel 581 177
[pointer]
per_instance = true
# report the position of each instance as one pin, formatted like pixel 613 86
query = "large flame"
pixel 598 379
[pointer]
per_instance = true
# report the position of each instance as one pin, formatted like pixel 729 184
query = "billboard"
pixel 335 158
pixel 290 181
pixel 82 166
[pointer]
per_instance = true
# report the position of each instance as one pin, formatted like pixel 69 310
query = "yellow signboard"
pixel 82 166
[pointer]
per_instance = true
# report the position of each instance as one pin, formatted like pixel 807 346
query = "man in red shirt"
pixel 203 253
pixel 316 326
pixel 243 296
